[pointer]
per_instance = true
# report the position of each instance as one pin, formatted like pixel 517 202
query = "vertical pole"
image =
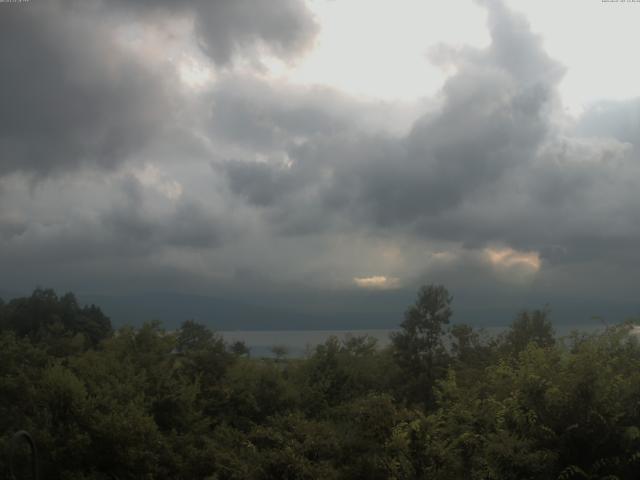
pixel 23 435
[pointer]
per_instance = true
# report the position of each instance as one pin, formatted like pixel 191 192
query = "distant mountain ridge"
pixel 328 310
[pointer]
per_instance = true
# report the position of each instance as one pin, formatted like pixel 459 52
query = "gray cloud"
pixel 74 96
pixel 494 116
pixel 615 119
pixel 260 184
pixel 127 221
pixel 250 112
pixel 10 228
pixel 70 96
pixel 227 28
pixel 185 224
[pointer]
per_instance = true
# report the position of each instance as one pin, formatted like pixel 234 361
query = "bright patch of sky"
pixel 380 49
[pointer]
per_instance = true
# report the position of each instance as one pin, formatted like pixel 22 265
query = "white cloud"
pixel 152 177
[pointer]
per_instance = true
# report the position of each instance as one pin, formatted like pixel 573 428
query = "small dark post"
pixel 23 435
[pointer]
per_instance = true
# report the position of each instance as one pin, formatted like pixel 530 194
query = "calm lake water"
pixel 297 342
pixel 301 342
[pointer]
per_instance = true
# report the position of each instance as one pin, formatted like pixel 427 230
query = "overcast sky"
pixel 236 146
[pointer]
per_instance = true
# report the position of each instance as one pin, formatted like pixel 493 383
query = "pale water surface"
pixel 299 343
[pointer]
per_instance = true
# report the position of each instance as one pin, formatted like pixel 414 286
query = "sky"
pixel 272 150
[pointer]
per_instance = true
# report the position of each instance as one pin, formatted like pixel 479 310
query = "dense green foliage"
pixel 441 402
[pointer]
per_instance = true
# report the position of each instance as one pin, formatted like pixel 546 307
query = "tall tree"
pixel 530 327
pixel 418 347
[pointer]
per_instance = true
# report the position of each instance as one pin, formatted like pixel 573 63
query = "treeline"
pixel 440 402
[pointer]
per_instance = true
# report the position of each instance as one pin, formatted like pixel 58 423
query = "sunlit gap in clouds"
pixel 508 257
pixel 152 177
pixel 195 73
pixel 377 282
pixel 380 49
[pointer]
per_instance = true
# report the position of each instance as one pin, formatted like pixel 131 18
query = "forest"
pixel 442 401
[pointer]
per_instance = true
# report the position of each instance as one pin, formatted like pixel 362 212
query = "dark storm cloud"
pixel 74 95
pixel 574 200
pixel 225 28
pixel 70 96
pixel 261 184
pixel 189 226
pixel 129 232
pixel 305 136
pixel 228 26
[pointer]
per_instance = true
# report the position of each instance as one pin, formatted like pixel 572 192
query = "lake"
pixel 297 342
pixel 300 342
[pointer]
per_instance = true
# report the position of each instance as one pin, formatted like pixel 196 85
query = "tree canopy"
pixel 439 402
